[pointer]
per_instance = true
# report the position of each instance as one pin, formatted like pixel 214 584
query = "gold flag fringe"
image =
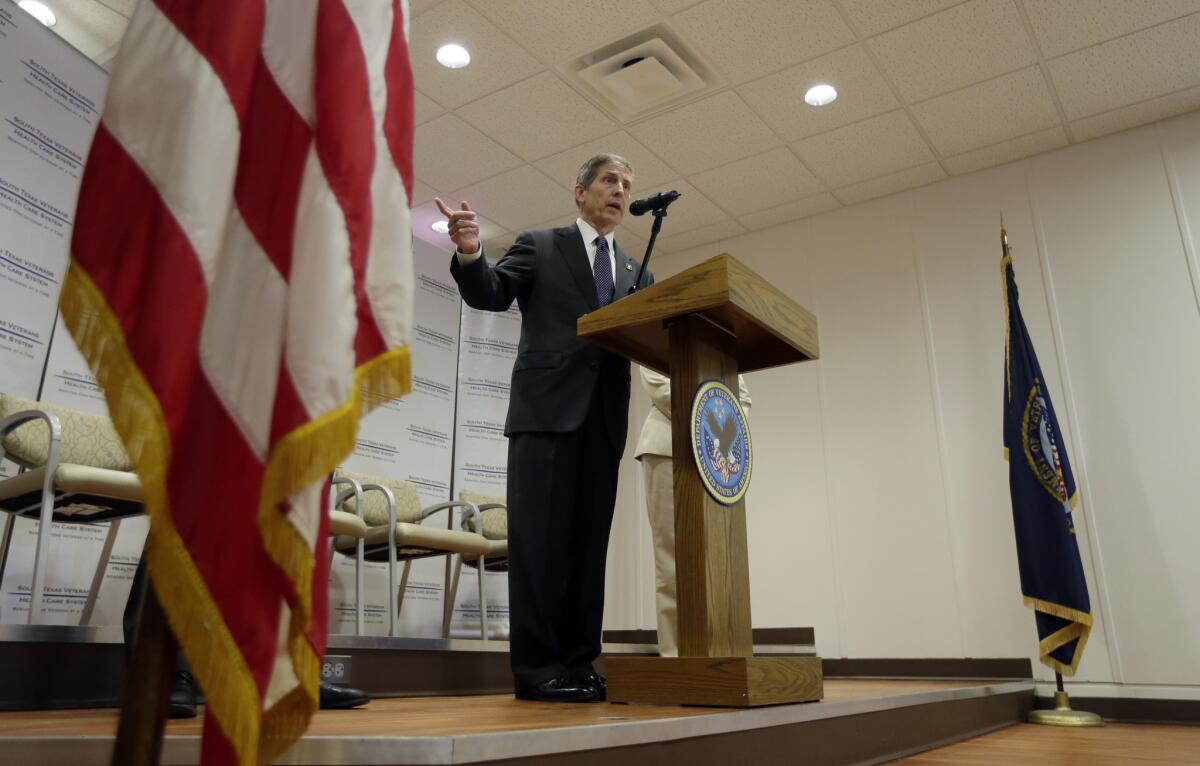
pixel 303 457
pixel 1080 628
pixel 192 614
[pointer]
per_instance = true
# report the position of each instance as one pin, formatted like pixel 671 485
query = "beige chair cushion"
pixel 495 520
pixel 87 440
pixel 82 493
pixel 375 510
pixel 417 539
pixel 342 523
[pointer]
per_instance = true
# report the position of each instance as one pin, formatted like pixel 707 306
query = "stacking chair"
pixel 350 527
pixel 396 531
pixel 76 471
pixel 492 523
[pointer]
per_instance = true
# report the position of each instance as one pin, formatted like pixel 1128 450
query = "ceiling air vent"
pixel 646 72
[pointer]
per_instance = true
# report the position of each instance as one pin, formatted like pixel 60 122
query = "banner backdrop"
pixel 488 349
pixel 50 100
pixel 410 438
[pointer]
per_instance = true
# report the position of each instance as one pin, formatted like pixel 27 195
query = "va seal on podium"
pixel 721 442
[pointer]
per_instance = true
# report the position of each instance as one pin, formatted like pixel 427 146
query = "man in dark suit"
pixel 567 419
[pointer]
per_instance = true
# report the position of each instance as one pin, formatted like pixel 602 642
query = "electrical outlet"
pixel 336 669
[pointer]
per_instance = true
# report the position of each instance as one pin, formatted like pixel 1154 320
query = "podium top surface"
pixel 771 329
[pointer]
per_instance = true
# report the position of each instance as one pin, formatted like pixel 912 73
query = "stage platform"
pixel 859 721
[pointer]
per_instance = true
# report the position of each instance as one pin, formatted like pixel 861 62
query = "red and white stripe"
pixel 245 213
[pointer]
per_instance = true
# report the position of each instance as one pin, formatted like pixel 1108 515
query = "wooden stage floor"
pixel 884 715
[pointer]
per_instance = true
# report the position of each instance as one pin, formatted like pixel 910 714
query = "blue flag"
pixel 1043 495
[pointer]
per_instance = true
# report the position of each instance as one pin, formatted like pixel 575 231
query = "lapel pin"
pixel 628 267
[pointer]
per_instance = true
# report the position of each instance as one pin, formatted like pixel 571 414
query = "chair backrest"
pixel 375 511
pixel 87 439
pixel 495 520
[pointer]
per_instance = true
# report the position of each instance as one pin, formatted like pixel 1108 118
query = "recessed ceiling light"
pixel 39 11
pixel 453 56
pixel 820 95
pixel 441 227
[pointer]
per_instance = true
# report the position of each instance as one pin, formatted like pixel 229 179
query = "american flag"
pixel 241 284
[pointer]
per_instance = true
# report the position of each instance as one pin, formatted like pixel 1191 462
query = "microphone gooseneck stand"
pixel 658 216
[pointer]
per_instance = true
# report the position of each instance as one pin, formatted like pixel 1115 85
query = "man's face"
pixel 603 204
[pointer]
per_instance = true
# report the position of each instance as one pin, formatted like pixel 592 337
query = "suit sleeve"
pixel 659 388
pixel 494 288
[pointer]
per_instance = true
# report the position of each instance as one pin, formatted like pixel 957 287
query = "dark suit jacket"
pixel 556 372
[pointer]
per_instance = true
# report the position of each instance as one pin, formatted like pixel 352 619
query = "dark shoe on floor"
pixel 183 696
pixel 341 698
pixel 597 682
pixel 558 690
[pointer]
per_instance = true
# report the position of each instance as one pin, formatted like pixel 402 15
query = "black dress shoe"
pixel 341 698
pixel 599 683
pixel 558 690
pixel 183 696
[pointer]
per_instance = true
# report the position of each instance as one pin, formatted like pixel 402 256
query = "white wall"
pixel 879 510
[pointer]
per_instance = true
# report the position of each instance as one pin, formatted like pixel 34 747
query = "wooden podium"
pixel 709 322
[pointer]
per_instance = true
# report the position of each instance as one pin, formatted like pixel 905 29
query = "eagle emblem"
pixel 720 442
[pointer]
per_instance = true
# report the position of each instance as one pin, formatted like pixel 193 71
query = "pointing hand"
pixel 464 226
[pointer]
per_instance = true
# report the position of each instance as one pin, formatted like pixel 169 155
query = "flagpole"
pixel 1062 714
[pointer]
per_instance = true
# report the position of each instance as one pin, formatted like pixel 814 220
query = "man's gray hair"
pixel 590 169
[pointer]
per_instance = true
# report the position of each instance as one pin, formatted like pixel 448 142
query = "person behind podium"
pixel 654 453
pixel 567 421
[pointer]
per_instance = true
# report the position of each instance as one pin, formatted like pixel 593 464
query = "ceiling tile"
pixel 1138 114
pixel 692 211
pixel 673 6
pixel 496 61
pixel 422 193
pixel 891 183
pixel 423 217
pixel 762 181
pixel 92 28
pixel 538 117
pixel 700 236
pixel 556 31
pixel 498 246
pixel 449 153
pixel 862 93
pixel 1153 62
pixel 424 108
pixel 123 7
pixel 963 45
pixel 648 170
pixel 705 134
pixel 865 149
pixel 1062 26
pixel 792 211
pixel 519 198
pixel 988 113
pixel 870 17
pixel 745 39
pixel 1007 151
pixel 632 244
pixel 417 7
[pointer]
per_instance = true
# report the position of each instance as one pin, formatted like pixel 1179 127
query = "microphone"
pixel 654 203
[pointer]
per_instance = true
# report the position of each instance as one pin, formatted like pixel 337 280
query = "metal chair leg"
pixel 110 539
pixel 483 626
pixel 402 590
pixel 42 552
pixel 450 595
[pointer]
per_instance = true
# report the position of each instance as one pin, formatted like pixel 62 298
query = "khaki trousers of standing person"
pixel 659 475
